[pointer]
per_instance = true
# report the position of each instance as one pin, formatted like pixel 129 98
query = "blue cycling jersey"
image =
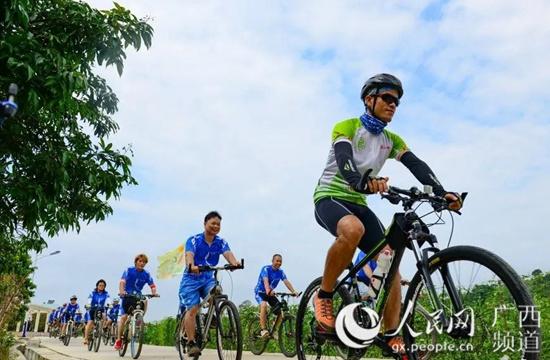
pixel 57 312
pixel 361 276
pixel 51 317
pixel 205 254
pixel 71 308
pixel 78 318
pixel 114 312
pixel 136 280
pixel 273 277
pixel 98 299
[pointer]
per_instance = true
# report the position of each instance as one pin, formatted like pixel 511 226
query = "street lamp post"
pixel 26 323
pixel 36 258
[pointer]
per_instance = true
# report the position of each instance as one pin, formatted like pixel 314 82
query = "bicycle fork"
pixel 423 267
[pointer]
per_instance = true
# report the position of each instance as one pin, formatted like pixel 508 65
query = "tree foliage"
pixel 57 167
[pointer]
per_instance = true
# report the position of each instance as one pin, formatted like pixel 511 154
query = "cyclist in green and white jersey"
pixel 359 149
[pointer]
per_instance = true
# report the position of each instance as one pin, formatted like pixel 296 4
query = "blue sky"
pixel 233 106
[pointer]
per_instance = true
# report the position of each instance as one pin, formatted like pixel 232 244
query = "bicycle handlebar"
pixel 396 195
pixel 286 294
pixel 203 268
pixel 140 296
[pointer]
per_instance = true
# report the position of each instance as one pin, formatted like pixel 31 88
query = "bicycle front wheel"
pixel 229 339
pixel 106 336
pixel 486 310
pixel 98 331
pixel 287 336
pixel 136 341
pixel 125 336
pixel 256 343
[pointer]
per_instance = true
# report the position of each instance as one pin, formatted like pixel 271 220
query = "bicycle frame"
pixel 414 237
pixel 279 318
pixel 213 300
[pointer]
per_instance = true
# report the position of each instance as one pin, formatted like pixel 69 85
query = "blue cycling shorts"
pixel 193 289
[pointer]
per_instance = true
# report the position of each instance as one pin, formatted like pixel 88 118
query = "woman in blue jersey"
pixel 269 278
pixel 96 302
pixel 68 312
pixel 132 282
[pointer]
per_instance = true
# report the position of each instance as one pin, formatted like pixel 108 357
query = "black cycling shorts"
pixel 328 211
pixel 129 304
pixel 93 311
pixel 272 301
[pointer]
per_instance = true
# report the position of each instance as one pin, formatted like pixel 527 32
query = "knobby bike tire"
pixel 137 336
pixel 256 344
pixel 98 332
pixel 181 342
pixel 68 335
pixel 178 339
pixel 307 339
pixel 234 332
pixel 114 332
pixel 106 336
pixel 507 277
pixel 287 336
pixel 125 335
pixel 91 341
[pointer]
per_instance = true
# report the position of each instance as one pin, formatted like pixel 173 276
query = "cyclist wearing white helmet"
pixel 359 148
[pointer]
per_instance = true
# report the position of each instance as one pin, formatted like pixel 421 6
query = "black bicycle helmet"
pixel 378 81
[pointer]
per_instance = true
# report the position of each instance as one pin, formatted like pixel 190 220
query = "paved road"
pixel 75 350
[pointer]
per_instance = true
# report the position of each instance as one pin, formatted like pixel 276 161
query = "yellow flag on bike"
pixel 171 264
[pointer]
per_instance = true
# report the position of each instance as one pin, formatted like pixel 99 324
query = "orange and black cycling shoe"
pixel 324 314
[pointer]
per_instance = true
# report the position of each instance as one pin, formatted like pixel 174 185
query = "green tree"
pixel 57 166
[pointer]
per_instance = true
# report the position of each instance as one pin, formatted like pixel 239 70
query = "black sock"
pixel 325 295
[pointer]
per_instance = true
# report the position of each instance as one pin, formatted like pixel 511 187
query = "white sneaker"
pixel 264 334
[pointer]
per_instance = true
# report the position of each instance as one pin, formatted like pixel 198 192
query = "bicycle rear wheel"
pixel 256 343
pixel 229 339
pixel 136 341
pixel 313 344
pixel 499 320
pixel 287 336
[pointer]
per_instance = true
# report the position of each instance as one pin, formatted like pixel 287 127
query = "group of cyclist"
pixel 59 317
pixel 131 284
pixel 360 146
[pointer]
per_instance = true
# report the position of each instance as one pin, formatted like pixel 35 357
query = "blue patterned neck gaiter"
pixel 372 124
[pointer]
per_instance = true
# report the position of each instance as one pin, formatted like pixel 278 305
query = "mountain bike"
pixel 107 330
pixel 134 327
pixel 452 285
pixel 94 338
pixel 69 331
pixel 113 331
pixel 221 314
pixel 283 329
pixel 8 107
pixel 53 329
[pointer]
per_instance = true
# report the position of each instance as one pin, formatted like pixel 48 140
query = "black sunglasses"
pixel 389 99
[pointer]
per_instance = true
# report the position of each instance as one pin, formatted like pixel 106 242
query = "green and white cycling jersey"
pixel 369 152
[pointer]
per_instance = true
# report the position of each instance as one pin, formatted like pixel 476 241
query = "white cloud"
pixel 226 112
